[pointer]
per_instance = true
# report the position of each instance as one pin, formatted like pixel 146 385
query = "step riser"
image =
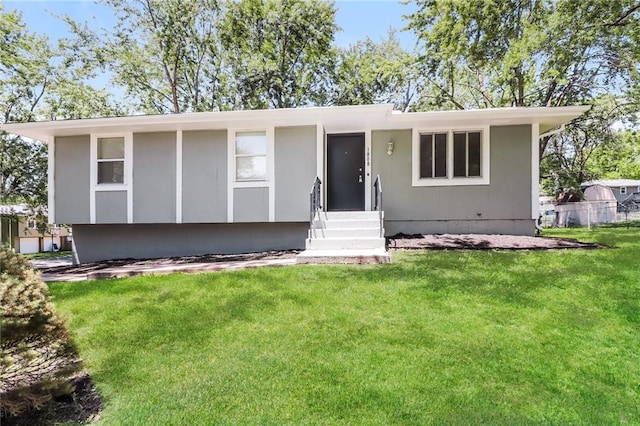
pixel 348 224
pixel 345 243
pixel 350 215
pixel 346 233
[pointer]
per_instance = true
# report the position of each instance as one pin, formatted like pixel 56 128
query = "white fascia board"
pixel 334 119
pixel 194 121
pixel 551 117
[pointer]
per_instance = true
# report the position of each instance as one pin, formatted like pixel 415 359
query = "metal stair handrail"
pixel 315 202
pixel 377 185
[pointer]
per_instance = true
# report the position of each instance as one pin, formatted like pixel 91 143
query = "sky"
pixel 357 18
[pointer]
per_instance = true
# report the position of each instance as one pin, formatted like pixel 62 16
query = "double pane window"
pixel 110 160
pixel 460 151
pixel 433 155
pixel 251 156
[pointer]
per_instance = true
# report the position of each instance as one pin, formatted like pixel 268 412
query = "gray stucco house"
pixel 239 181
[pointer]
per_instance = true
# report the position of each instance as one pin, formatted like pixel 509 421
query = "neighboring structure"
pixel 622 188
pixel 240 181
pixel 599 206
pixel 18 231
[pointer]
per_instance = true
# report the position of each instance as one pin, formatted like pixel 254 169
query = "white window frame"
pixel 236 156
pixel 623 190
pixel 450 180
pixel 127 185
pixel 232 181
pixel 128 153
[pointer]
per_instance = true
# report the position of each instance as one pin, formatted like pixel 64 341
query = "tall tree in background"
pixel 369 72
pixel 165 54
pixel 620 158
pixel 526 53
pixel 37 81
pixel 280 51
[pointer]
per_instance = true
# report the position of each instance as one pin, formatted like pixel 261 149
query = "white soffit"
pixel 334 119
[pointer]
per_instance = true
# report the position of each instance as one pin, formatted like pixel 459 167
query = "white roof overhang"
pixel 334 119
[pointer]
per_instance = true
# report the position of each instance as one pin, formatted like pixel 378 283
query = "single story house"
pixel 18 231
pixel 240 181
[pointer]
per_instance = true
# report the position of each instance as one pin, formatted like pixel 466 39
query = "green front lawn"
pixel 436 337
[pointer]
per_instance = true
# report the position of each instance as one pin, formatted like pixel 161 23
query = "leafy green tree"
pixel 370 72
pixel 38 81
pixel 279 51
pixel 164 54
pixel 573 153
pixel 528 53
pixel 620 159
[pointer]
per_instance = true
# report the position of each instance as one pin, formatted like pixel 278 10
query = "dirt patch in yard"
pixel 483 242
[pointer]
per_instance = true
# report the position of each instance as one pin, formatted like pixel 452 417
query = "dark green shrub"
pixel 36 354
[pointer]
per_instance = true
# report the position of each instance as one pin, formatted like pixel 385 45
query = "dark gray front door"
pixel 345 172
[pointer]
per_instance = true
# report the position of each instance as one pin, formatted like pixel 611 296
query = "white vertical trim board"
pixel 271 172
pixel 51 196
pixel 231 171
pixel 93 177
pixel 535 170
pixel 179 176
pixel 127 186
pixel 367 170
pixel 128 170
pixel 320 151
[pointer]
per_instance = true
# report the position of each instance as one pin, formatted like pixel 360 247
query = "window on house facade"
pixel 433 155
pixel 110 160
pixel 623 189
pixel 251 156
pixel 453 157
pixel 31 223
pixel 466 154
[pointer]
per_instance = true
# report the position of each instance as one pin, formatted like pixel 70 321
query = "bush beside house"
pixel 37 358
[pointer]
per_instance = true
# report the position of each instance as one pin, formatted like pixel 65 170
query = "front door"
pixel 345 172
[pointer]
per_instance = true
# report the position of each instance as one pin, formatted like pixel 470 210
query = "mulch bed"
pixel 88 268
pixel 483 242
pixel 81 407
pixel 399 241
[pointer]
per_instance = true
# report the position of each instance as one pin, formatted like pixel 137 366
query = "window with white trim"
pixel 451 157
pixel 623 190
pixel 110 160
pixel 251 156
pixel 466 154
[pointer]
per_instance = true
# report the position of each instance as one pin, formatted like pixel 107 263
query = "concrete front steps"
pixel 345 237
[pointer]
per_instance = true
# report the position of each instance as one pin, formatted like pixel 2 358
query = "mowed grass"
pixel 436 337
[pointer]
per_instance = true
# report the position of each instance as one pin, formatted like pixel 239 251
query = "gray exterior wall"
pixel 251 205
pixel 103 242
pixel 154 177
pixel 504 206
pixel 71 177
pixel 295 170
pixel 111 207
pixel 204 176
